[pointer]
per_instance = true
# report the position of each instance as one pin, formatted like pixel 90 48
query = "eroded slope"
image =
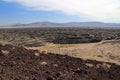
pixel 18 63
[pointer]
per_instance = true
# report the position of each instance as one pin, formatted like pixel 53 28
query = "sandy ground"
pixel 107 51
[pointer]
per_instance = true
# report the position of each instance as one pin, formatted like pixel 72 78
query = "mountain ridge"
pixel 68 24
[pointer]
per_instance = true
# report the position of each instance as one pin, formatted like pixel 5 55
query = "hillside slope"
pixel 18 63
pixel 107 51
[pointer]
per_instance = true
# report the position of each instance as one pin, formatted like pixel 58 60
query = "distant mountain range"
pixel 69 24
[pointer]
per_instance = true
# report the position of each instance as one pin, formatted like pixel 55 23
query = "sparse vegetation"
pixel 39 36
pixel 59 54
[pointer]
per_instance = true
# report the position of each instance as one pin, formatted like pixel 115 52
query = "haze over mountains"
pixel 69 24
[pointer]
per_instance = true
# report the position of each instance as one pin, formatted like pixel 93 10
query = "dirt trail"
pixel 107 51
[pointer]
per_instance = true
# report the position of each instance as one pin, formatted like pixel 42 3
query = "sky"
pixel 61 11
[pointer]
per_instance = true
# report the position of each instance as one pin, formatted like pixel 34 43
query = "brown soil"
pixel 18 63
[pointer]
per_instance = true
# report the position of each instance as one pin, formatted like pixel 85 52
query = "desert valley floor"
pixel 59 54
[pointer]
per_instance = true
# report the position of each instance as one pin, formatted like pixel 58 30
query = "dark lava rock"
pixel 22 64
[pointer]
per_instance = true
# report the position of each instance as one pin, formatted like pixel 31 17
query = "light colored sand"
pixel 107 51
pixel 4 42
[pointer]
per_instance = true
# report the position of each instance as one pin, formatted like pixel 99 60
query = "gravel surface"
pixel 18 63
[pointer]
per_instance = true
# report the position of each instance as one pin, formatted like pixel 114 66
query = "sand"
pixel 107 51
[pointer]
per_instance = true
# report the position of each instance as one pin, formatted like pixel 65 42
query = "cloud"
pixel 99 10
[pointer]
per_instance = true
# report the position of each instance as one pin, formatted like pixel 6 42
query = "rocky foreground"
pixel 18 63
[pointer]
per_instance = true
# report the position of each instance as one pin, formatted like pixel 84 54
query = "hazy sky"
pixel 27 11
